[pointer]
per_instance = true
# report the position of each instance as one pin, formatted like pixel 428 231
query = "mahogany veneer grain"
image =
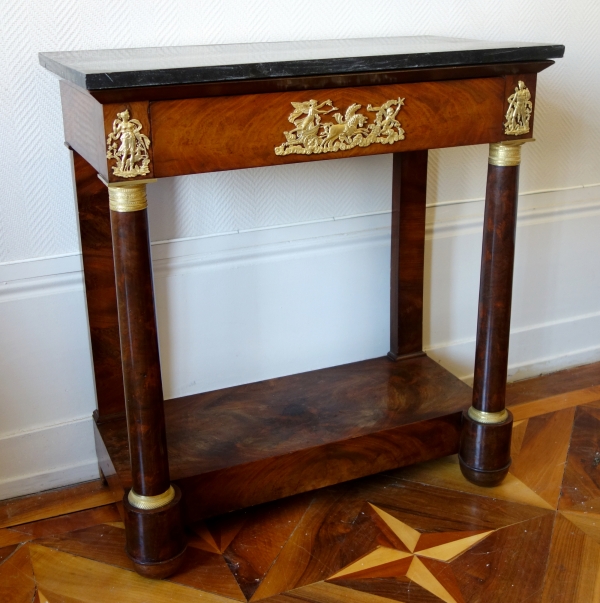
pixel 100 291
pixel 198 135
pixel 409 196
pixel 139 351
pixel 495 294
pixel 244 445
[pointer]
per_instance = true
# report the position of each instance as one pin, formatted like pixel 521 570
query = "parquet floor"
pixel 416 535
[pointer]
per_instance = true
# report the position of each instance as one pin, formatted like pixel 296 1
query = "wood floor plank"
pixel 102 543
pixel 326 592
pixel 225 528
pixel 199 543
pixel 421 580
pixel 508 565
pixel 17 584
pixel 581 483
pixel 540 464
pixel 588 590
pixel 203 539
pixel 437 539
pixel 588 523
pixel 518 433
pixel 446 552
pixel 553 384
pixel 106 544
pixel 389 569
pixel 312 553
pixel 378 557
pixel 445 473
pixel 42 598
pixel 432 509
pixel 257 544
pixel 443 573
pixel 62 576
pixel 407 535
pixel 53 503
pixel 69 522
pixel 419 573
pixel 572 575
pixel 401 589
pixel 368 534
pixel 8 537
pixel 7 551
pixel 554 403
pixel 208 572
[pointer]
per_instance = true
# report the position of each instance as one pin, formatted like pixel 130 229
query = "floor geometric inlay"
pixel 411 560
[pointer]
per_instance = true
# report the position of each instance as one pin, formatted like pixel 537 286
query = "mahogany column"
pixel 487 426
pixel 409 188
pixel 155 540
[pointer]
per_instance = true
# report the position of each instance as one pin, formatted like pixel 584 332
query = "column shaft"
pixel 139 350
pixel 155 539
pixel 495 288
pixel 487 426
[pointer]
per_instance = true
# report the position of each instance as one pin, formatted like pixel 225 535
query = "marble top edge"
pixel 133 67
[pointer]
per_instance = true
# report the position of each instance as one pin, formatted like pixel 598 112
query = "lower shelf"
pixel 245 445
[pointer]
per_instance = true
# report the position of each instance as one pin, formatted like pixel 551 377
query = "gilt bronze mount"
pixel 312 136
pixel 128 146
pixel 519 111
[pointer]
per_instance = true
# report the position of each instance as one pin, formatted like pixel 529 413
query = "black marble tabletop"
pixel 126 68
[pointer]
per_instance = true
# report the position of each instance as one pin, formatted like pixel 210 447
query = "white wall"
pixel 297 277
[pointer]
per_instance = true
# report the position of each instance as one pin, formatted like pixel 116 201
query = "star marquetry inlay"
pixel 412 562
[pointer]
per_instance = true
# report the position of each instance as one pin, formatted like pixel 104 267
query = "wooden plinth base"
pixel 484 454
pixel 155 538
pixel 245 445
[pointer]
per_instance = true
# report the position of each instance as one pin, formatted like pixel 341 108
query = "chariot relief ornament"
pixel 519 111
pixel 311 135
pixel 128 146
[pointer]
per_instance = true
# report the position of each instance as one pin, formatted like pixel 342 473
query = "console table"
pixel 132 116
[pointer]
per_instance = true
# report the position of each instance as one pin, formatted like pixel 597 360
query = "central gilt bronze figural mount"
pixel 348 131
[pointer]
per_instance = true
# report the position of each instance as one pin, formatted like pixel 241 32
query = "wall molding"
pixel 534 207
pixel 41 286
pixel 582 331
pixel 521 194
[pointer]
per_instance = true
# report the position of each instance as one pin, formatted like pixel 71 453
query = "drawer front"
pixel 224 133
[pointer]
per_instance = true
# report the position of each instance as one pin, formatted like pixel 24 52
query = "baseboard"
pixel 47 458
pixel 534 350
pixel 49 480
